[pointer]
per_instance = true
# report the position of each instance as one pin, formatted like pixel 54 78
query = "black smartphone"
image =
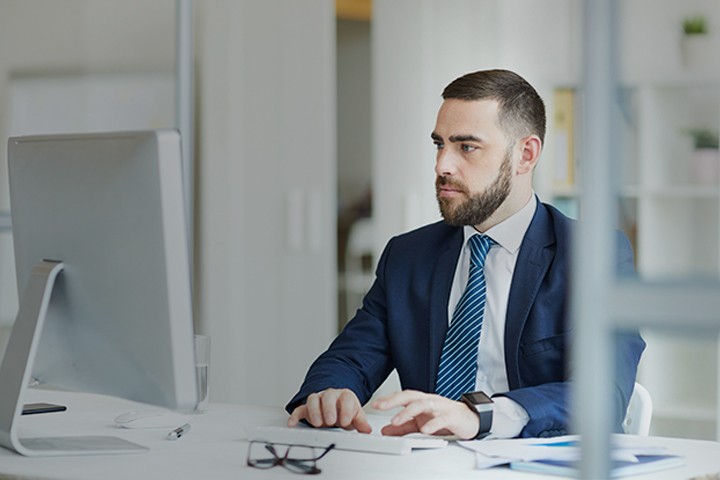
pixel 33 408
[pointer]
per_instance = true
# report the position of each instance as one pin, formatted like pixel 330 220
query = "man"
pixel 515 344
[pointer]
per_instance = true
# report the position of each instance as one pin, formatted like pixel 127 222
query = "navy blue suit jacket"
pixel 404 317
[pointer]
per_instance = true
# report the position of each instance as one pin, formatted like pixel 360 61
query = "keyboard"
pixel 345 440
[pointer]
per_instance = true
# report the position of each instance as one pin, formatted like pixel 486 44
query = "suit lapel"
pixel 533 262
pixel 442 278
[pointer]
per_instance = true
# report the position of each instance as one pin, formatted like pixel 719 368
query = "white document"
pixel 491 453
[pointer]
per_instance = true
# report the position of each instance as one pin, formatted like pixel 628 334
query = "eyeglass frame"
pixel 283 461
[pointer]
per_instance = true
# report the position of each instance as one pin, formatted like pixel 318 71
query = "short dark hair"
pixel 522 111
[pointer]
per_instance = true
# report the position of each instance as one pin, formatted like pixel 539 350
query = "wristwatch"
pixel 482 405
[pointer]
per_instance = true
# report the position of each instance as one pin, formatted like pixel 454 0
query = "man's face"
pixel 474 162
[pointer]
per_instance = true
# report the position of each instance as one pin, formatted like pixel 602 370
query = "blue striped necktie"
pixel 458 362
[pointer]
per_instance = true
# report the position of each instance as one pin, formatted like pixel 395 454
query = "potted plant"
pixel 706 155
pixel 696 25
pixel 696 42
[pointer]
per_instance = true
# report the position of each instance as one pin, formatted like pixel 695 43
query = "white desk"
pixel 215 448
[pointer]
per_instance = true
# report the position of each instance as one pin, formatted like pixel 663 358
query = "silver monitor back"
pixel 108 206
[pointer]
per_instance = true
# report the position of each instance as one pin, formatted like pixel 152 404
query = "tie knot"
pixel 479 248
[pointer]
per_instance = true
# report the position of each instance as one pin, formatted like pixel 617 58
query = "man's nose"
pixel 445 163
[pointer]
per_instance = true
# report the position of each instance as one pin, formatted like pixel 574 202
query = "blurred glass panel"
pixel 669 200
pixel 668 192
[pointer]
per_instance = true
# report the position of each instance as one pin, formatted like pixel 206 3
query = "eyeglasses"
pixel 297 458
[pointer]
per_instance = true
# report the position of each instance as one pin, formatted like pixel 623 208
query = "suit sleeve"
pixel 548 404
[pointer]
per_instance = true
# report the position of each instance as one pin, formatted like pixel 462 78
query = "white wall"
pixel 266 267
pixel 45 37
pixel 45 48
pixel 417 48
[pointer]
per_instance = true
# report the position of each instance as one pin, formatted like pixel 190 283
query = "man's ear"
pixel 530 146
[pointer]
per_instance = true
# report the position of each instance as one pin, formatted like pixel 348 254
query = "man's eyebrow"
pixel 456 138
pixel 464 138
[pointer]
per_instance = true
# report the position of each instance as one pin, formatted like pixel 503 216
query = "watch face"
pixel 478 398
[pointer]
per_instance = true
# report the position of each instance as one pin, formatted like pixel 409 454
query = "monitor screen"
pixel 108 206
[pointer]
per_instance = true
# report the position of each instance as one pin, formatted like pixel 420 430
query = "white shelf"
pixel 672 79
pixel 685 412
pixel 637 191
pixel 673 191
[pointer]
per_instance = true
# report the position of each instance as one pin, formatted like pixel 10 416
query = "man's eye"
pixel 439 145
pixel 468 148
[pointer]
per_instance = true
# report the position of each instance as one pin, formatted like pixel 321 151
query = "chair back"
pixel 639 412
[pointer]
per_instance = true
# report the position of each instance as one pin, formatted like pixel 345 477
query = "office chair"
pixel 639 412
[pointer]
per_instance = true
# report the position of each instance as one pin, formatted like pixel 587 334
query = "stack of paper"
pixel 560 455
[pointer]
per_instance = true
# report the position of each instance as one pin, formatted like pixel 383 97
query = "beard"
pixel 479 207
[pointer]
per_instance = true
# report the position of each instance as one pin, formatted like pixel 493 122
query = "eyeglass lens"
pixel 296 458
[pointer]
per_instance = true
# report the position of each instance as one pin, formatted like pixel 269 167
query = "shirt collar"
pixel 510 232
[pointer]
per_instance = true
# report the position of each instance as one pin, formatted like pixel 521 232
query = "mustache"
pixel 445 181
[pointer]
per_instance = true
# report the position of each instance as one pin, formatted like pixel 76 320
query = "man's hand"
pixel 429 414
pixel 332 408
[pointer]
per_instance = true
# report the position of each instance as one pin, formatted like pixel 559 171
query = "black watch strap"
pixel 482 405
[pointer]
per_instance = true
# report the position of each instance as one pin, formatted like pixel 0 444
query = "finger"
pixel 348 406
pixel 298 414
pixel 399 430
pixel 313 413
pixel 360 422
pixel 398 399
pixel 413 410
pixel 329 406
pixel 434 425
pixel 351 415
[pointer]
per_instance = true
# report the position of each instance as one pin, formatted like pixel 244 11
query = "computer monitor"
pixel 102 263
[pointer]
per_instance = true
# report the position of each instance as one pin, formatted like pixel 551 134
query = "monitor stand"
pixel 17 368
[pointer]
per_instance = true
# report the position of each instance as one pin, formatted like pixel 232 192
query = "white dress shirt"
pixel 509 418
